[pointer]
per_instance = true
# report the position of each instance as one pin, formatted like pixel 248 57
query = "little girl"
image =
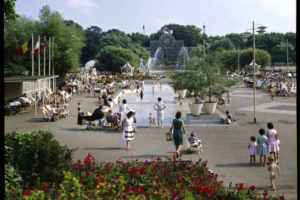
pixel 252 149
pixel 79 107
pixel 262 148
pixel 272 168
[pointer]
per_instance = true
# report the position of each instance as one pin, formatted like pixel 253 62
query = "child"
pixel 180 100
pixel 78 107
pixel 262 148
pixel 252 149
pixel 151 120
pixel 194 142
pixel 272 167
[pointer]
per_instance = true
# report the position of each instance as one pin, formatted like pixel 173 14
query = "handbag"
pixel 122 137
pixel 168 136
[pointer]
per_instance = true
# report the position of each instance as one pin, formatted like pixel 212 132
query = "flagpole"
pixel 49 55
pixel 32 53
pixel 39 58
pixel 54 88
pixel 45 56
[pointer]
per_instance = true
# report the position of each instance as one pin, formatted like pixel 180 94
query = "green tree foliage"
pixel 140 51
pixel 68 40
pixel 16 33
pixel 113 58
pixel 229 58
pixel 9 10
pixel 219 45
pixel 92 43
pixel 116 38
pixel 140 39
pixel 190 33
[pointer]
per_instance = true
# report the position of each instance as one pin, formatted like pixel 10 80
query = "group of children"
pixel 263 146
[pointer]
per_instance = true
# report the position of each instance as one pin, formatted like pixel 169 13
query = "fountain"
pixel 182 58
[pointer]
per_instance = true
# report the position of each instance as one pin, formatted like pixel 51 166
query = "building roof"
pixel 16 79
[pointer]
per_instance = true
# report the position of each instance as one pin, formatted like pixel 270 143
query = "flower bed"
pixel 154 179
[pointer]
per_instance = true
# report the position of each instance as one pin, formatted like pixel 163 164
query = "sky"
pixel 220 17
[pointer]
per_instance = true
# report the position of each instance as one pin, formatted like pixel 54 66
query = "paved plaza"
pixel 224 146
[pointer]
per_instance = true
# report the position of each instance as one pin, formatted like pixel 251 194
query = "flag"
pixel 25 47
pixel 42 47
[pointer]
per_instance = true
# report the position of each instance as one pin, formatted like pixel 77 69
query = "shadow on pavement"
pixel 235 165
pixel 36 120
pixel 286 122
pixel 147 156
pixel 105 148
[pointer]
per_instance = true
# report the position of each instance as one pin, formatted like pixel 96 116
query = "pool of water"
pixel 143 107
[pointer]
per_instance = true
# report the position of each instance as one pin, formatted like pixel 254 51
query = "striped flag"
pixel 42 47
pixel 25 47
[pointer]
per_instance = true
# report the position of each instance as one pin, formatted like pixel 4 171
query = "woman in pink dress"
pixel 272 141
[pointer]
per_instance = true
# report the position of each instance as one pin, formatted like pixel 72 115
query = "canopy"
pixel 127 66
pixel 251 64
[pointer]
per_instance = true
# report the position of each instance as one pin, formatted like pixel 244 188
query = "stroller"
pixel 88 122
pixel 194 146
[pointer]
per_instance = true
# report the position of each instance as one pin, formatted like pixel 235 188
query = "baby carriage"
pixel 194 145
pixel 88 121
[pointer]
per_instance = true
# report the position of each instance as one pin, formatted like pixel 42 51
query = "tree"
pixel 116 38
pixel 9 10
pixel 68 40
pixel 262 57
pixel 16 33
pixel 113 58
pixel 140 39
pixel 219 45
pixel 92 43
pixel 140 51
pixel 190 33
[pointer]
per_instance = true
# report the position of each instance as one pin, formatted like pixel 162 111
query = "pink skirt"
pixel 273 146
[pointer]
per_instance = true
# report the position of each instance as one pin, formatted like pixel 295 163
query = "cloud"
pixel 83 4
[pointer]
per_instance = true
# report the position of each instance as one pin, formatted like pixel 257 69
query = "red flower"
pixel 26 193
pixel 265 193
pixel 181 186
pixel 133 170
pixel 87 174
pixel 44 186
pixel 143 170
pixel 81 179
pixel 141 189
pixel 252 187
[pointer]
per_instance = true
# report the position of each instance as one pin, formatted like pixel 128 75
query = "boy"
pixel 194 142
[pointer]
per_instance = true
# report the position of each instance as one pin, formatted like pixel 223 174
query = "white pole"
pixel 49 55
pixel 32 54
pixel 36 101
pixel 45 56
pixel 254 81
pixel 39 58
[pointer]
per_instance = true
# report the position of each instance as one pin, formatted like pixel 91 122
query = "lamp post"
pixel 288 45
pixel 261 30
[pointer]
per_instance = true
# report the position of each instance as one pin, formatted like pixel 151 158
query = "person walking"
pixel 178 128
pixel 273 141
pixel 262 148
pixel 129 128
pixel 159 107
pixel 124 109
pixel 272 168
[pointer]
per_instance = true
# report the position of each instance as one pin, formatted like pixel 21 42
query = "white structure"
pixel 90 64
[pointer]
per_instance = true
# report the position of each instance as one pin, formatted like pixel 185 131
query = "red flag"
pixel 42 47
pixel 25 47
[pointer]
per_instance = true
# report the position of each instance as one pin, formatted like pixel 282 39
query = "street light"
pixel 288 45
pixel 261 30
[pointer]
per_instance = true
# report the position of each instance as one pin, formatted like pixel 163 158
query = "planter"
pixel 182 93
pixel 210 107
pixel 195 108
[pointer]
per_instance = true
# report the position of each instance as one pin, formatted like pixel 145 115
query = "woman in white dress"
pixel 159 107
pixel 129 128
pixel 123 109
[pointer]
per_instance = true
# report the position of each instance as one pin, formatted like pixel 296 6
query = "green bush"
pixel 13 181
pixel 37 156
